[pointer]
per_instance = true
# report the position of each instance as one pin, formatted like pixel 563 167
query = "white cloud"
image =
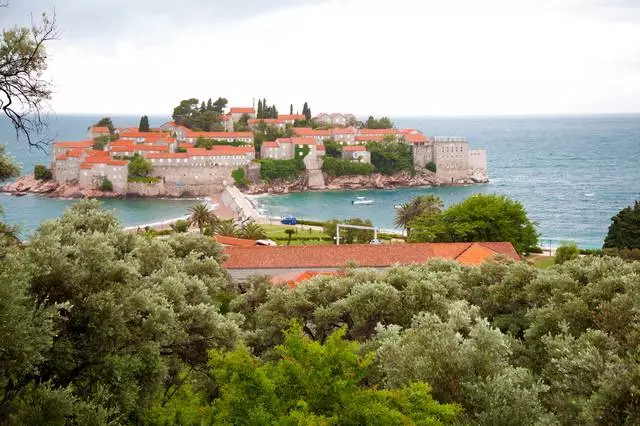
pixel 407 57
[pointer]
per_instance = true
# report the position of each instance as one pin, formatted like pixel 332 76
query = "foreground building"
pixel 243 262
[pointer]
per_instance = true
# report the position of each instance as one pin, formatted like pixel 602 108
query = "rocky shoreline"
pixel 374 181
pixel 29 185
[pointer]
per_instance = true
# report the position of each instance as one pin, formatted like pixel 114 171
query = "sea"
pixel 571 173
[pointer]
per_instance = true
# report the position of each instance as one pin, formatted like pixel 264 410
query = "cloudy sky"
pixel 400 57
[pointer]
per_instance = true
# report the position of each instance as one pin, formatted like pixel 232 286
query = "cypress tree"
pixel 144 124
pixel 291 110
pixel 209 105
pixel 306 111
pixel 203 107
pixel 259 113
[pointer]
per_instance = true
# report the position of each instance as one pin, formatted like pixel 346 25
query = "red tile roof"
pixel 104 160
pixel 86 166
pixel 218 150
pixel 270 144
pixel 417 138
pixel 121 142
pixel 151 148
pixel 292 117
pixel 99 129
pixel 62 157
pixel 371 138
pixel 235 242
pixel 144 135
pixel 266 121
pixel 219 135
pixel 155 155
pixel 81 144
pixel 127 148
pixel 354 148
pixel 242 110
pixel 75 152
pixel 306 131
pixel 303 141
pixel 380 132
pixel 96 153
pixel 365 255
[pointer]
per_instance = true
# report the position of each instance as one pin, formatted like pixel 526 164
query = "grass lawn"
pixel 542 262
pixel 301 237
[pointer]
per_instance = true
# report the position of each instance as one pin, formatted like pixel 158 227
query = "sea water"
pixel 571 173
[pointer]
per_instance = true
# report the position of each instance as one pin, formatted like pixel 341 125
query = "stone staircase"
pixel 315 178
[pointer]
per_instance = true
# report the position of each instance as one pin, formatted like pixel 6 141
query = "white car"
pixel 375 241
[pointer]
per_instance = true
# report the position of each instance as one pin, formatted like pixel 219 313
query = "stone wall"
pixel 170 189
pixel 422 155
pixel 195 176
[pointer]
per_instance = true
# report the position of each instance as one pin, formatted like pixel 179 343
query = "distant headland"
pixel 207 147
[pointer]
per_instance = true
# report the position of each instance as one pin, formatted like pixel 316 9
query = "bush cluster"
pixel 335 167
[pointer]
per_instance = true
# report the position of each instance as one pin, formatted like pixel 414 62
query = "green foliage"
pixel 41 172
pixel 431 166
pixel 332 149
pixel 481 217
pixel 106 122
pixel 624 231
pixel 422 205
pixel 201 216
pixel 306 111
pixel 8 167
pixel 335 167
pixel 566 252
pixel 208 143
pixel 100 142
pixel 242 125
pixel 382 123
pixel 272 170
pixel 310 383
pixel 139 167
pixel 239 177
pixel 252 231
pixel 106 185
pixel 349 235
pixel 134 312
pixel 191 114
pixel 391 158
pixel 227 228
pixel 144 179
pixel 265 110
pixel 180 226
pixel 144 124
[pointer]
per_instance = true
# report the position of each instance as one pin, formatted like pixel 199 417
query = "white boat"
pixel 397 206
pixel 362 200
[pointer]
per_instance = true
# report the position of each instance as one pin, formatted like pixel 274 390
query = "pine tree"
pixel 203 107
pixel 209 105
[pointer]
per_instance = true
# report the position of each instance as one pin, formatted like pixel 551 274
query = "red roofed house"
pixel 144 136
pixel 96 132
pixel 344 135
pixel 174 129
pixel 281 149
pixel 291 118
pixel 94 170
pixel 237 113
pixel 244 137
pixel 271 122
pixel 235 242
pixel 357 153
pixel 243 262
pixel 66 158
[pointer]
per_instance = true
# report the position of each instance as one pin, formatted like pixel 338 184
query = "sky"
pixel 380 57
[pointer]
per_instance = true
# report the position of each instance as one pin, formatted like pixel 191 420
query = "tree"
pixel 291 109
pixel 227 228
pixel 209 105
pixel 139 167
pixel 481 217
pixel 306 111
pixel 290 232
pixel 144 124
pixel 391 158
pixel 101 142
pixel 252 231
pixel 350 235
pixel 306 382
pixel 200 215
pixel 180 226
pixel 260 112
pixel 239 177
pixel 23 90
pixel 106 185
pixel 431 166
pixel 8 168
pixel 429 205
pixel 566 252
pixel 624 231
pixel 382 123
pixel 105 122
pixel 219 105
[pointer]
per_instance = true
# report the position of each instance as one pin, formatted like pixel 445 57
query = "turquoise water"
pixel 571 173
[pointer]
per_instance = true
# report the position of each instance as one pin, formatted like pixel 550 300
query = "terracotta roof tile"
pixel 144 135
pixel 305 131
pixel 242 110
pixel 80 144
pixel 292 279
pixel 380 132
pixel 235 242
pixel 270 144
pixel 302 257
pixel 303 141
pixel 99 129
pixel 292 117
pixel 219 135
pixel 155 155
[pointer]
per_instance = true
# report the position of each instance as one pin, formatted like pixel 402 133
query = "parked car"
pixel 288 220
pixel 375 241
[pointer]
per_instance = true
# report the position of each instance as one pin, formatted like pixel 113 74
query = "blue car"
pixel 288 220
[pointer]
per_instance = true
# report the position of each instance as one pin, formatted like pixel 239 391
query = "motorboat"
pixel 362 200
pixel 397 206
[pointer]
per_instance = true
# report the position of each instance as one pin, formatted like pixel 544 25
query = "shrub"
pixel 41 172
pixel 239 177
pixel 139 167
pixel 566 252
pixel 431 166
pixel 144 179
pixel 106 185
pixel 391 158
pixel 180 226
pixel 271 170
pixel 334 167
pixel 100 142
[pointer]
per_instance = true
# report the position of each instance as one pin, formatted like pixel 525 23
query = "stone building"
pixel 277 123
pixel 94 170
pixel 245 137
pixel 357 153
pixel 96 132
pixel 290 119
pixel 238 112
pixel 344 135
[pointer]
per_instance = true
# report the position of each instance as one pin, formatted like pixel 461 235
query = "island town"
pixel 249 148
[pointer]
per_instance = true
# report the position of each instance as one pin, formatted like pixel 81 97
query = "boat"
pixel 397 206
pixel 362 200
